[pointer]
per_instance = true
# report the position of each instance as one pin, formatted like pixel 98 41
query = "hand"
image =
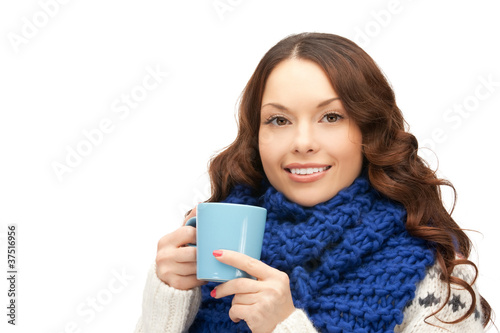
pixel 176 262
pixel 264 303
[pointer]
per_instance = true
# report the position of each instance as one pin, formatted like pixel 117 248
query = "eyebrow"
pixel 281 107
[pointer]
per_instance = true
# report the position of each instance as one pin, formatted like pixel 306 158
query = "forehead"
pixel 296 81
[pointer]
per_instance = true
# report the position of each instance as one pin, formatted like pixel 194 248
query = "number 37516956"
pixel 11 248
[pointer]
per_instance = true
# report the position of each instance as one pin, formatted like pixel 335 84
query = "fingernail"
pixel 212 293
pixel 217 253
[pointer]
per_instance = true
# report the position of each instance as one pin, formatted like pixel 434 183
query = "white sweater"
pixel 168 310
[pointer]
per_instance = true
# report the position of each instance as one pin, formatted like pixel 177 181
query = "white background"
pixel 105 217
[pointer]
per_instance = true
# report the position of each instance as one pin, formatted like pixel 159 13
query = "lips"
pixel 306 173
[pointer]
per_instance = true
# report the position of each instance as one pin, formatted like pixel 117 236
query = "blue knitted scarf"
pixel 352 265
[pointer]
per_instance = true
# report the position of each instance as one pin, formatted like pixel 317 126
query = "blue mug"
pixel 225 226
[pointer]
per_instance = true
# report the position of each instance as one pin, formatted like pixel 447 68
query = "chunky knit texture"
pixel 352 265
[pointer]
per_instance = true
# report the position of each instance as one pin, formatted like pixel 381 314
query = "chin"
pixel 308 200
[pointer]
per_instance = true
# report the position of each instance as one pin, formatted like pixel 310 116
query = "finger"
pixel 179 237
pixel 237 286
pixel 245 299
pixel 185 282
pixel 185 254
pixel 248 264
pixel 173 268
pixel 238 312
pixel 185 269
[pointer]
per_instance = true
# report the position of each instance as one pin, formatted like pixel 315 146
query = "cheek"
pixel 265 148
pixel 356 141
pixel 345 146
pixel 353 158
pixel 266 137
pixel 350 153
pixel 271 149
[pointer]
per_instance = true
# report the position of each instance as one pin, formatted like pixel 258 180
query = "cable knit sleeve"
pixel 296 322
pixel 431 293
pixel 166 309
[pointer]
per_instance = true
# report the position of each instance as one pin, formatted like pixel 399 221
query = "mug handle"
pixel 191 223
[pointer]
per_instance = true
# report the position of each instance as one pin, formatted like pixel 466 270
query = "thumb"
pixel 189 215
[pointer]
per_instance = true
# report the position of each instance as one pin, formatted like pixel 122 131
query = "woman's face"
pixel 309 148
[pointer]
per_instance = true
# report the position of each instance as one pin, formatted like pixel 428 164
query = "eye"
pixel 277 121
pixel 332 117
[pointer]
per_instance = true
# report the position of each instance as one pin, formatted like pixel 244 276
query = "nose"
pixel 304 141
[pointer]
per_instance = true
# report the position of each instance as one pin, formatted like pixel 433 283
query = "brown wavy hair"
pixel 390 152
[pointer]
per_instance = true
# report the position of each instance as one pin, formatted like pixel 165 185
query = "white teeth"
pixel 307 171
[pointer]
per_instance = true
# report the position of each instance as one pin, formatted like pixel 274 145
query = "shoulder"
pixel 431 294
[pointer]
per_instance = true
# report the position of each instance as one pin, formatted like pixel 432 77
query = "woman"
pixel 357 238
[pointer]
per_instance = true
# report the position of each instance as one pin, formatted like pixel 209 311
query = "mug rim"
pixel 231 204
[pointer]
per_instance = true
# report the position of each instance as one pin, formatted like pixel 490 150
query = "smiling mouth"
pixel 307 171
